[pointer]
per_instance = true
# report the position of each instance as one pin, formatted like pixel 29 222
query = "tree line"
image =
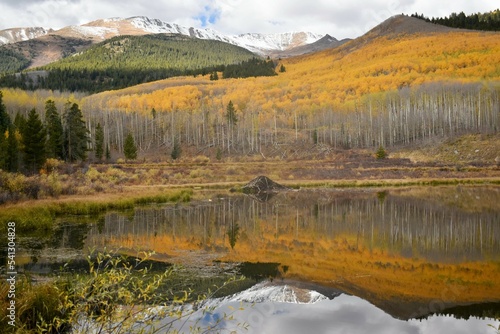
pixel 26 142
pixel 388 119
pixel 126 61
pixel 478 21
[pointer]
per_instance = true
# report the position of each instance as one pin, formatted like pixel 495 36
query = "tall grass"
pixel 39 217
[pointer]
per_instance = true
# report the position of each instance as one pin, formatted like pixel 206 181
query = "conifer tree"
pixel 99 141
pixel 55 133
pixel 11 160
pixel 20 122
pixel 108 152
pixel 381 153
pixel 176 150
pixel 33 138
pixel 231 114
pixel 129 148
pixel 75 134
pixel 4 117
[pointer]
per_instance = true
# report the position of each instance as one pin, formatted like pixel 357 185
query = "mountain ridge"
pixel 102 29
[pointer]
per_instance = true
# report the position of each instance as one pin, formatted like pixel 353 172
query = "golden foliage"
pixel 328 79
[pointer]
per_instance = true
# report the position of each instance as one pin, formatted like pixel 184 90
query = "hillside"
pixel 406 81
pixel 40 47
pixel 15 35
pixel 403 54
pixel 129 60
pixel 40 51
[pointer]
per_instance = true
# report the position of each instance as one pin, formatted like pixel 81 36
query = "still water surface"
pixel 416 258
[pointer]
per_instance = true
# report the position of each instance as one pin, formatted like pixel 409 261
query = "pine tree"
pixel 34 138
pixel 55 133
pixel 20 122
pixel 99 141
pixel 11 161
pixel 75 134
pixel 129 148
pixel 176 150
pixel 282 69
pixel 108 152
pixel 381 153
pixel 4 117
pixel 231 114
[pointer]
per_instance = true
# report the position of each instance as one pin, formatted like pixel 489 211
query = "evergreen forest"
pixel 126 61
pixel 489 21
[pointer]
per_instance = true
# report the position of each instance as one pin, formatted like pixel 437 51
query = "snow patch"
pixel 269 292
pixel 100 32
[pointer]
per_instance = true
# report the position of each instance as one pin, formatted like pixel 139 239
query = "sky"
pixel 340 18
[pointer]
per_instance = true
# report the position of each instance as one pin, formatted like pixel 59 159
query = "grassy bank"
pixel 32 216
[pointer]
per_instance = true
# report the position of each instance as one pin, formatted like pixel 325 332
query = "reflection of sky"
pixel 344 314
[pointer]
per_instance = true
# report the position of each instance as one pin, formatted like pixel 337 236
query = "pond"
pixel 423 259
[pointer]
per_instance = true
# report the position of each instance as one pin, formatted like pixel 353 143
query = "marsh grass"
pixel 39 216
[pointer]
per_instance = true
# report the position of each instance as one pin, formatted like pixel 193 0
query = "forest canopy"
pixel 480 21
pixel 126 61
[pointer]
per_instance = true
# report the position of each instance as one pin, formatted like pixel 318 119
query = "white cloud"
pixel 342 18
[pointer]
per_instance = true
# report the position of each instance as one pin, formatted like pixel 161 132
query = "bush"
pixel 38 305
pixel 381 153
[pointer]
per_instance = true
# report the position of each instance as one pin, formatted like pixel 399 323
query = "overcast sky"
pixel 339 18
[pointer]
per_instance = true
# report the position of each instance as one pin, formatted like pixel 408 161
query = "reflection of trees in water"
pixel 233 233
pixel 408 226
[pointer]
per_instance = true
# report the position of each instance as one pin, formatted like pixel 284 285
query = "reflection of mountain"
pixel 275 292
pixel 398 251
pixel 284 308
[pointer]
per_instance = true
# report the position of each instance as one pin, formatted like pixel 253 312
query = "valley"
pixel 139 135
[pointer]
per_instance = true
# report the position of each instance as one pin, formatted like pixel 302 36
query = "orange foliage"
pixel 328 79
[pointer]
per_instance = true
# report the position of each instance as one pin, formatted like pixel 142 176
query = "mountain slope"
pixel 258 43
pixel 15 57
pixel 40 47
pixel 327 42
pixel 15 35
pixel 130 60
pixel 401 55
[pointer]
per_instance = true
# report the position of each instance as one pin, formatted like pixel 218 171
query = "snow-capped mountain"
pixel 100 30
pixel 14 35
pixel 259 43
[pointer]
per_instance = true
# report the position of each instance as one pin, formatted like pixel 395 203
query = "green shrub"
pixel 381 153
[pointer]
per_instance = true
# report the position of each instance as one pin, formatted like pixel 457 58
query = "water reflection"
pixel 411 252
pixel 410 227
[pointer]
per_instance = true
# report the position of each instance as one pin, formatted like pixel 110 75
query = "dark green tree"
pixel 55 132
pixel 129 148
pixel 4 117
pixel 75 134
pixel 99 141
pixel 33 139
pixel 214 76
pixel 108 152
pixel 381 153
pixel 231 116
pixel 315 136
pixel 176 150
pixel 11 161
pixel 282 69
pixel 20 122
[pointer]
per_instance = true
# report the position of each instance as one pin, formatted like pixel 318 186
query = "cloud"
pixel 341 18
